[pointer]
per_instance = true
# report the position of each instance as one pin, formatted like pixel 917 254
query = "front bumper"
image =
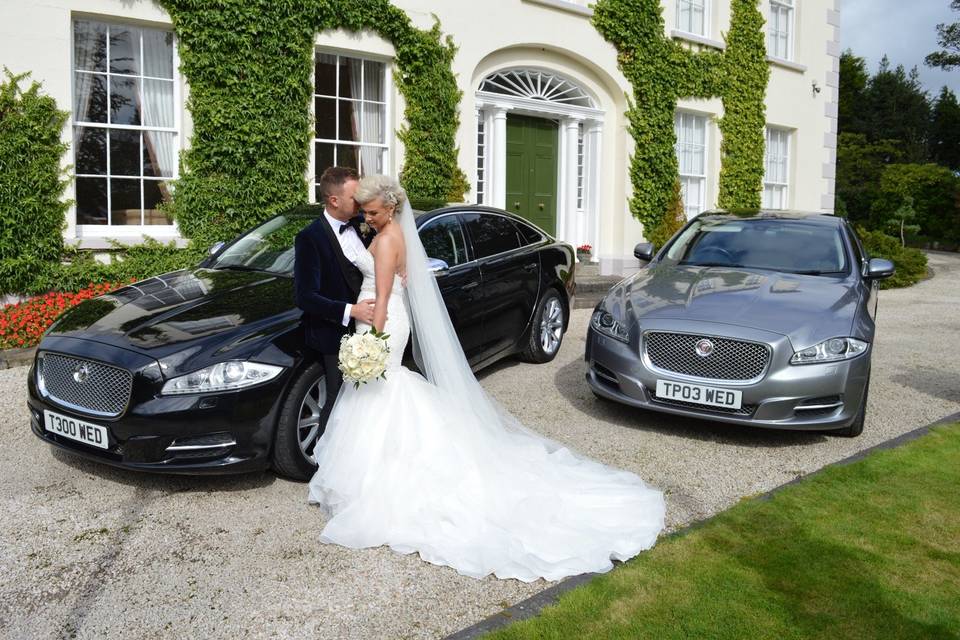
pixel 617 371
pixel 215 433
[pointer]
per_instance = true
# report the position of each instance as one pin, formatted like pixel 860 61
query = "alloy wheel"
pixel 551 327
pixel 308 425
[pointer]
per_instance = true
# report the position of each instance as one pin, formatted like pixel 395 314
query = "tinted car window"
pixel 528 234
pixel 795 246
pixel 443 239
pixel 491 234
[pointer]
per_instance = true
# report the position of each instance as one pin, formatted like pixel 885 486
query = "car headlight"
pixel 609 325
pixel 830 351
pixel 223 376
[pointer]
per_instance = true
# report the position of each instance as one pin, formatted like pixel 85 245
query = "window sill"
pixel 698 39
pixel 565 5
pixel 787 64
pixel 107 240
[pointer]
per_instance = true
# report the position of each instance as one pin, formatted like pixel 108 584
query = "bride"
pixel 433 465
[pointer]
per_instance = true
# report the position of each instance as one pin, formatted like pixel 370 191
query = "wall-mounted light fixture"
pixel 815 88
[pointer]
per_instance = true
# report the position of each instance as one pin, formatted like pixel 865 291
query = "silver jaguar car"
pixel 755 318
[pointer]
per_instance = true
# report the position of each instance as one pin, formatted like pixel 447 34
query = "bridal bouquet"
pixel 363 356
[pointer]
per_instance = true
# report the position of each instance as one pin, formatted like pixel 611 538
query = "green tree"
pixel 945 130
pixel 931 191
pixel 854 79
pixel 898 108
pixel 902 218
pixel 860 165
pixel 948 38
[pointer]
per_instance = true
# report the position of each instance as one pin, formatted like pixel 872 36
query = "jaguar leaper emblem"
pixel 81 373
pixel 704 348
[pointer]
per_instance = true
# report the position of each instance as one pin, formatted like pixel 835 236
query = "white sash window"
pixel 692 16
pixel 780 29
pixel 126 132
pixel 691 148
pixel 776 169
pixel 350 115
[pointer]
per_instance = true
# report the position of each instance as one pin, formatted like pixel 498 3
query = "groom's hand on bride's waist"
pixel 363 311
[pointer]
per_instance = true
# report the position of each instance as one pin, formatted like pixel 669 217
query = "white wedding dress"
pixel 403 463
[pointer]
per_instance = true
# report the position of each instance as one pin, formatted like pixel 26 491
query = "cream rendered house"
pixel 542 134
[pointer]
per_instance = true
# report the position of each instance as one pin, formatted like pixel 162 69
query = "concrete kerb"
pixel 534 605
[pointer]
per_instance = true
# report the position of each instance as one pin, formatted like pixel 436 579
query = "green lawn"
pixel 868 550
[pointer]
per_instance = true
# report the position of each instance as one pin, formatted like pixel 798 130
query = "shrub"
pixel 22 325
pixel 672 222
pixel 31 182
pixel 911 264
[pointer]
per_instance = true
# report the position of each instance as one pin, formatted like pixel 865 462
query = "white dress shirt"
pixel 351 245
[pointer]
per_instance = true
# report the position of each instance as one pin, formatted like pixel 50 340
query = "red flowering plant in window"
pixel 22 324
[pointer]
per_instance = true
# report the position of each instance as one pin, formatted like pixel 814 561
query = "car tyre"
pixel 298 428
pixel 546 333
pixel 856 427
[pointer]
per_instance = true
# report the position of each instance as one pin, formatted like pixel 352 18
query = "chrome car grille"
pixel 85 385
pixel 730 359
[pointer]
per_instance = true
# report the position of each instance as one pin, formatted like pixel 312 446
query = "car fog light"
pixel 830 350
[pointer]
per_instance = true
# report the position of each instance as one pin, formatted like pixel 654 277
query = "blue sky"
pixel 905 30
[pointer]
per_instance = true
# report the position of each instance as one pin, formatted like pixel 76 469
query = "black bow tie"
pixel 354 222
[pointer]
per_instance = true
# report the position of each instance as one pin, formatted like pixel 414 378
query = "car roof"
pixel 816 217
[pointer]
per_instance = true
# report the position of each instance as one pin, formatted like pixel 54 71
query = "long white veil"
pixel 438 352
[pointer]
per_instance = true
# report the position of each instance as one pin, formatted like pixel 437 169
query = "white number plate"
pixel 91 434
pixel 698 394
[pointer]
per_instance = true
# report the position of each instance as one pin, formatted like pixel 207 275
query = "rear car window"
pixel 491 234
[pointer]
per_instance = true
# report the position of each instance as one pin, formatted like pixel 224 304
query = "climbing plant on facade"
pixel 660 71
pixel 249 64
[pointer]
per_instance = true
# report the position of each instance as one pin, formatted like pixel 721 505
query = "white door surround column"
pixel 567 214
pixel 497 154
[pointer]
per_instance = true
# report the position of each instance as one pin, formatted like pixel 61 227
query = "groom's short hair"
pixel 333 179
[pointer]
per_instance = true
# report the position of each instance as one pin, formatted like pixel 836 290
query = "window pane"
pixel 155 192
pixel 348 156
pixel 124 101
pixel 89 97
pixel 91 196
pixel 373 123
pixel 124 152
pixel 124 50
pixel 124 201
pixel 492 234
pixel 373 81
pixel 323 159
pixel 159 154
pixel 90 145
pixel 349 121
pixel 443 240
pixel 325 75
pixel 158 103
pixel 325 114
pixel 371 160
pixel 347 68
pixel 157 53
pixel 90 45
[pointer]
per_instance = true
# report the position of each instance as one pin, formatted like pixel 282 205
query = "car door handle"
pixel 470 285
pixel 530 267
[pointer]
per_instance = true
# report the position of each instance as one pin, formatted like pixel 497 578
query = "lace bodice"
pixel 398 323
pixel 365 264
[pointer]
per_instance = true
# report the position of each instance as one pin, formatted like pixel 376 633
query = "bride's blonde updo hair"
pixel 384 187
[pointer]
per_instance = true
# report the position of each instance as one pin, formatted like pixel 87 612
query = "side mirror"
pixel 437 266
pixel 644 251
pixel 879 268
pixel 216 248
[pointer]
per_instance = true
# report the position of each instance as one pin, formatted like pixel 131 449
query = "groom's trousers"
pixel 334 380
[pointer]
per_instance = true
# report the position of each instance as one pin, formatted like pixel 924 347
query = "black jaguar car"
pixel 199 370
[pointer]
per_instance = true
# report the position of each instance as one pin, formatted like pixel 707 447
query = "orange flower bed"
pixel 22 324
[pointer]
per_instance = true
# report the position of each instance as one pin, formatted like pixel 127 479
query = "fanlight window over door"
pixel 536 85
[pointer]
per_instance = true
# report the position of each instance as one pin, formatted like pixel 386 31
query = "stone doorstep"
pixel 10 358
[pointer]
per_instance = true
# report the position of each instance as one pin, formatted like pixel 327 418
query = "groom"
pixel 326 280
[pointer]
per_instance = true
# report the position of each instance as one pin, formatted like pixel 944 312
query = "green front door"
pixel 532 170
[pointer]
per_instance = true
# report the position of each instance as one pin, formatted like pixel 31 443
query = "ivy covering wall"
pixel 660 71
pixel 249 66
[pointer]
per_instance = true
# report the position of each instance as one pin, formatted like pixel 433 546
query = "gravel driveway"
pixel 89 552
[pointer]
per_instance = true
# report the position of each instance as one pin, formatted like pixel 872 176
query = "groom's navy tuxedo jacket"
pixel 324 283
